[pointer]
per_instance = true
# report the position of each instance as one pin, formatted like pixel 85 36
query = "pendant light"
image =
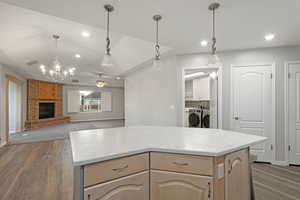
pixel 157 62
pixel 107 59
pixel 213 60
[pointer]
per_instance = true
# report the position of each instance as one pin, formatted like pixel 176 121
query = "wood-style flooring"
pixel 36 171
pixel 276 182
pixel 43 171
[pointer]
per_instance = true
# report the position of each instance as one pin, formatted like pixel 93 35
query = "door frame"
pixel 220 96
pixel 20 83
pixel 286 109
pixel 273 133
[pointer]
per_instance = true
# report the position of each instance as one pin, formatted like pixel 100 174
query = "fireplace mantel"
pixel 39 92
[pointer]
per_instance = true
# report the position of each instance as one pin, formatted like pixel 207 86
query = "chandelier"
pixel 57 72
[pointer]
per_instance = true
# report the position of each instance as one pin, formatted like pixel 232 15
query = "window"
pixel 88 101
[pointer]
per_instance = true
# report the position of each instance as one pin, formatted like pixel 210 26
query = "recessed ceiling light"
pixel 118 77
pixel 77 55
pixel 204 43
pixel 85 34
pixel 42 67
pixel 269 37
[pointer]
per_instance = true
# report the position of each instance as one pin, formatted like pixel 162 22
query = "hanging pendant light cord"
pixel 214 40
pixel 157 47
pixel 107 36
pixel 56 37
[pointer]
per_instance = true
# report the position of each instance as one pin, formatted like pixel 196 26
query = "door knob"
pixel 236 118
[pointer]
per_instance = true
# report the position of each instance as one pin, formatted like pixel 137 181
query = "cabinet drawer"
pixel 182 163
pixel 112 169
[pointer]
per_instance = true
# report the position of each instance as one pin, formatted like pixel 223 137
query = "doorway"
pixel 292 118
pixel 201 103
pixel 14 105
pixel 253 105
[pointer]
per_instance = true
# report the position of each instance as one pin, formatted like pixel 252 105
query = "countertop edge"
pixel 155 149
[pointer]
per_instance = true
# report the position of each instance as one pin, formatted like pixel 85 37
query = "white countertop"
pixel 89 146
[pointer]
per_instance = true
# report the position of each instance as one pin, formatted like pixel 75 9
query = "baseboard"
pixel 280 163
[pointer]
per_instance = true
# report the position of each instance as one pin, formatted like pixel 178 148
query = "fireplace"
pixel 46 110
pixel 44 105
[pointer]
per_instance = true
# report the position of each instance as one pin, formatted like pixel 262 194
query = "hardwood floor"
pixel 276 182
pixel 36 171
pixel 43 170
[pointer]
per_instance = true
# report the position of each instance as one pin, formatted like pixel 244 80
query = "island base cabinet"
pixel 237 176
pixel 178 186
pixel 134 187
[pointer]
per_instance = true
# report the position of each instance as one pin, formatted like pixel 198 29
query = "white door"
pixel 252 103
pixel 14 107
pixel 294 113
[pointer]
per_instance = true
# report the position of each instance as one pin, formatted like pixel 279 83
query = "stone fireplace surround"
pixel 41 91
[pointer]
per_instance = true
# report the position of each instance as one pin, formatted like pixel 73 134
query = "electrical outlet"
pixel 221 170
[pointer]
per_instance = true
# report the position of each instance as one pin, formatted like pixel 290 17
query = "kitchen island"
pixel 161 163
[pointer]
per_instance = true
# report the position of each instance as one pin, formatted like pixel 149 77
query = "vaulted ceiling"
pixel 27 27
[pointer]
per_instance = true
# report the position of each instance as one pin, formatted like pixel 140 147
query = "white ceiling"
pixel 240 24
pixel 26 36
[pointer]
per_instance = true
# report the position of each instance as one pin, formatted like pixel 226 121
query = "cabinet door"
pixel 178 186
pixel 237 182
pixel 201 88
pixel 134 187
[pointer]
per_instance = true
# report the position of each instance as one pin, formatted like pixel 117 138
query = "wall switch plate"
pixel 220 170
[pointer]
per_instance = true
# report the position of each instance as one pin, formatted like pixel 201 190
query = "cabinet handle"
pixel 120 169
pixel 230 166
pixel 209 190
pixel 180 164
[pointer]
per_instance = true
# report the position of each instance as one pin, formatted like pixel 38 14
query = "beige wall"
pixel 3 121
pixel 117 104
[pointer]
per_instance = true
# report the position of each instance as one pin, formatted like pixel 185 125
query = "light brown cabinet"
pixel 237 183
pixel 134 187
pixel 112 169
pixel 171 177
pixel 182 163
pixel 179 186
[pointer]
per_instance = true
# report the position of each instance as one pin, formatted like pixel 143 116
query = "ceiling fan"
pixel 102 79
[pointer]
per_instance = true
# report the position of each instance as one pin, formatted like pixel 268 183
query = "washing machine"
pixel 194 118
pixel 198 118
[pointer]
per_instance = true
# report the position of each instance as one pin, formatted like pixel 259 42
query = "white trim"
pixel 286 112
pixel 280 163
pixel 286 108
pixel 273 134
pixel 220 93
